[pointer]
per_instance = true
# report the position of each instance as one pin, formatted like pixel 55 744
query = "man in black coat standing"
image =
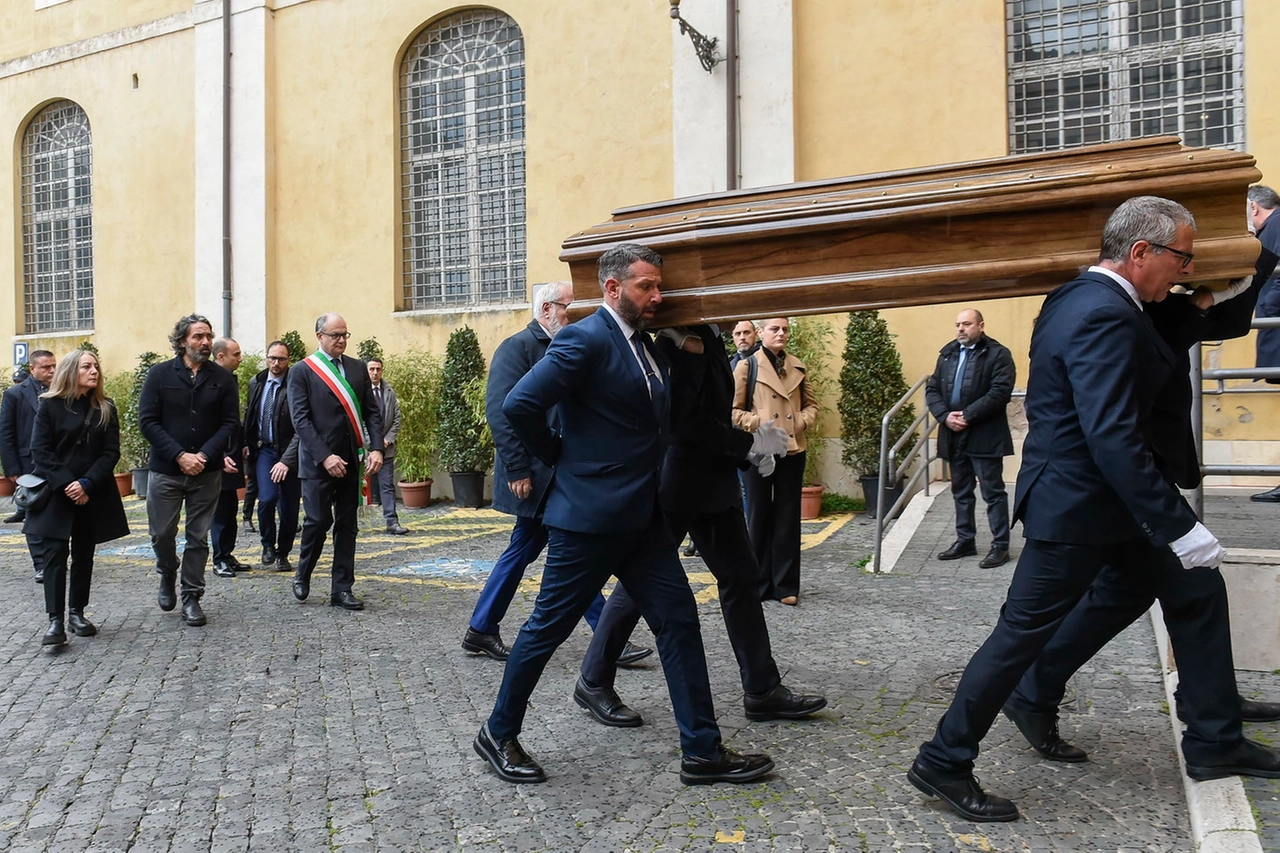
pixel 187 411
pixel 332 406
pixel 17 415
pixel 268 431
pixel 226 515
pixel 968 393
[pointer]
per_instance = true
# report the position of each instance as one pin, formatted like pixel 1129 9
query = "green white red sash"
pixel 324 368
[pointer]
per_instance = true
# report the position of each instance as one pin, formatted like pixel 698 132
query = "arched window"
pixel 57 220
pixel 462 160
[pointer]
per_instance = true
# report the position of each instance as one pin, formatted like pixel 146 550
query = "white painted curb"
pixel 1221 818
pixel 899 536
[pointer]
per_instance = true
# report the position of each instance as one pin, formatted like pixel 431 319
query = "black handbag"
pixel 32 493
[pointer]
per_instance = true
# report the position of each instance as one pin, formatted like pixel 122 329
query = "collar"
pixel 1120 280
pixel 627 329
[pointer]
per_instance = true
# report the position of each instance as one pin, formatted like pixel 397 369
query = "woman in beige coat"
pixel 779 393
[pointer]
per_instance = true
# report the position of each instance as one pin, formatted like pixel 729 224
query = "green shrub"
pixel 297 348
pixel 368 349
pixel 416 377
pixel 253 364
pixel 833 503
pixel 810 341
pixel 134 448
pixel 462 444
pixel 870 384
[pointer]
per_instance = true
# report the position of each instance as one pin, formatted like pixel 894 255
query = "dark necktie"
pixel 959 383
pixel 337 363
pixel 657 394
pixel 269 413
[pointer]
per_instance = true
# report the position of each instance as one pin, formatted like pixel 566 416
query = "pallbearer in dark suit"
pixel 75 445
pixel 1090 494
pixel 700 495
pixel 603 517
pixel 330 400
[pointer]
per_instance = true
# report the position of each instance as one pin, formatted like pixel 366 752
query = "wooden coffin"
pixel 1012 226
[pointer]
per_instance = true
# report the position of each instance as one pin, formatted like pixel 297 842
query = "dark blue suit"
pixel 603 518
pixel 1089 492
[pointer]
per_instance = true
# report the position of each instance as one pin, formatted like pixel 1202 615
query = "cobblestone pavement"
pixel 284 726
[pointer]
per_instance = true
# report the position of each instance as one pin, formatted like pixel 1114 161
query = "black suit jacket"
pixel 281 419
pixel 513 461
pixel 178 414
pixel 1088 474
pixel 699 473
pixel 64 450
pixel 321 422
pixel 17 415
pixel 989 376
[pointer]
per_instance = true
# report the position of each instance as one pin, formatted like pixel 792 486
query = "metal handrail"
pixel 929 423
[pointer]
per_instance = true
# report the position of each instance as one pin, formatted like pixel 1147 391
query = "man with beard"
pixel 17 416
pixel 187 411
pixel 526 477
pixel 603 517
pixel 268 432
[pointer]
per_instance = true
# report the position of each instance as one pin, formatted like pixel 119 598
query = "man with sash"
pixel 333 408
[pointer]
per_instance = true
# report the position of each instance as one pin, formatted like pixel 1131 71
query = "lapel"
pixel 1157 342
pixel 31 393
pixel 766 375
pixel 640 384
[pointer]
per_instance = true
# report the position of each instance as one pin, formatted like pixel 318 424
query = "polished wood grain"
pixel 1012 226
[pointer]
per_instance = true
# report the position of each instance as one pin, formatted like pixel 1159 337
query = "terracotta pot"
pixel 124 483
pixel 7 487
pixel 416 495
pixel 240 494
pixel 810 501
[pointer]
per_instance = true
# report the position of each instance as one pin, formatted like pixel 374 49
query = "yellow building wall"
pixel 598 137
pixel 25 29
pixel 142 190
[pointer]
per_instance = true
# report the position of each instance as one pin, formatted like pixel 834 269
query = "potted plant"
pixel 416 376
pixel 294 343
pixel 871 383
pixel 464 451
pixel 135 450
pixel 810 341
pixel 117 388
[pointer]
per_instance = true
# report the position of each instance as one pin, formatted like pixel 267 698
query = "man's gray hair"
pixel 1144 217
pixel 220 345
pixel 1264 197
pixel 323 320
pixel 178 337
pixel 616 263
pixel 548 292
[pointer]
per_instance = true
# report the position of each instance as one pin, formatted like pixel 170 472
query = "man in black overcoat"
pixel 17 415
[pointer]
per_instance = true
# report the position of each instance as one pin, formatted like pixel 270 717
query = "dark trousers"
pixel 331 502
pixel 1050 578
pixel 226 524
pixel 383 490
pixel 35 547
pixel 283 498
pixel 578 565
pixel 250 494
pixel 56 573
pixel 722 543
pixel 989 471
pixel 1196 613
pixel 773 519
pixel 167 495
pixel 528 538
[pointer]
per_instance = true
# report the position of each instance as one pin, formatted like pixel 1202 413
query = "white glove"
pixel 1234 289
pixel 764 464
pixel 769 440
pixel 1198 549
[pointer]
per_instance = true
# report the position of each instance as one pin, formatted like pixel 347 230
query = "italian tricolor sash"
pixel 324 368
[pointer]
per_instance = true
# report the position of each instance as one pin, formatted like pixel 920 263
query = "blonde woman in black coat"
pixel 74 447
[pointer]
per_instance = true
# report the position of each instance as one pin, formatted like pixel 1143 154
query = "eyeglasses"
pixel 1187 257
pixel 337 335
pixel 277 358
pixel 564 305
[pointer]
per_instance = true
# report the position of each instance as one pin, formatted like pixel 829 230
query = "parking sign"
pixel 20 353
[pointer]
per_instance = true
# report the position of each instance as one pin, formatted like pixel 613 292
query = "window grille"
pixel 57 220
pixel 462 149
pixel 1088 71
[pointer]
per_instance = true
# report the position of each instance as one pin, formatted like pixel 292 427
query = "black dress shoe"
pixel 345 599
pixel 962 794
pixel 632 655
pixel 192 613
pixel 248 525
pixel 724 766
pixel 603 704
pixel 397 529
pixel 237 566
pixel 959 548
pixel 301 586
pixel 690 550
pixel 1248 758
pixel 223 570
pixel 57 633
pixel 79 625
pixel 268 556
pixel 1041 731
pixel 1271 497
pixel 781 704
pixel 507 758
pixel 167 596
pixel 39 575
pixel 995 557
pixel 485 644
pixel 283 565
pixel 16 518
pixel 1252 711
